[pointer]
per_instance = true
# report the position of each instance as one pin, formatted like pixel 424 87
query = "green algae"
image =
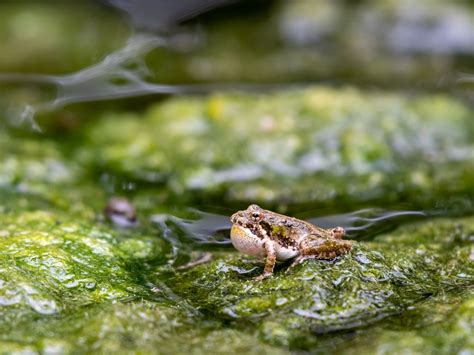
pixel 37 174
pixel 316 145
pixel 305 308
pixel 70 281
pixel 67 286
pixel 34 162
pixel 444 326
pixel 136 327
pixel 51 264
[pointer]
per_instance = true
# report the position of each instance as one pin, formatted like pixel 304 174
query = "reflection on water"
pixel 214 229
pixel 208 228
pixel 301 42
pixel 368 222
pixel 120 74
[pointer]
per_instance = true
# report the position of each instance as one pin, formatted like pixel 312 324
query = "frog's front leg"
pixel 270 260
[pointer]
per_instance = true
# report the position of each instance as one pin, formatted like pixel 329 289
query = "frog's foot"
pixel 338 232
pixel 263 276
pixel 200 258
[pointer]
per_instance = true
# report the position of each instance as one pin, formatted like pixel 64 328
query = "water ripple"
pixel 214 229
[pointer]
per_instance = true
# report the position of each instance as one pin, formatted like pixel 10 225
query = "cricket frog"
pixel 264 233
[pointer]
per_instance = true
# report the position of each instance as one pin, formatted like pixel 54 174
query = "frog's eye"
pixel 256 216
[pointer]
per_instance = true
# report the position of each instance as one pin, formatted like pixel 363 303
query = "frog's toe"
pixel 338 232
pixel 298 260
pixel 262 276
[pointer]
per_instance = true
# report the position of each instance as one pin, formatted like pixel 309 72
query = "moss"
pixel 130 328
pixel 52 264
pixel 316 145
pixel 375 281
pixel 444 327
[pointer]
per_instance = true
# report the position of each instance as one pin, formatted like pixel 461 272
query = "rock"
pixel 306 308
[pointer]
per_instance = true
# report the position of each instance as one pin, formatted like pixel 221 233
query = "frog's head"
pixel 249 217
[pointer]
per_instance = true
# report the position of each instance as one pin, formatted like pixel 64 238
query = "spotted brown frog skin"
pixel 264 233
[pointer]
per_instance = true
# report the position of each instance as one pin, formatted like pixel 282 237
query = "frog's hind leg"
pixel 306 247
pixel 320 248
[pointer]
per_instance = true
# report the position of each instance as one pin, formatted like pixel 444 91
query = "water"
pixel 127 72
pixel 213 229
pixel 121 74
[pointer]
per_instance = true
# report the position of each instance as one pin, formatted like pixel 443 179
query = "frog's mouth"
pixel 240 219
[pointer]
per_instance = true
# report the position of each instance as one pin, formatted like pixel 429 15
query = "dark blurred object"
pixel 160 15
pixel 121 212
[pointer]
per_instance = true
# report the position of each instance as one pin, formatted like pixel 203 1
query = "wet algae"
pixel 320 300
pixel 70 282
pixel 68 287
pixel 314 146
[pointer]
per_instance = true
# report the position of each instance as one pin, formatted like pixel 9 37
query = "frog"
pixel 263 233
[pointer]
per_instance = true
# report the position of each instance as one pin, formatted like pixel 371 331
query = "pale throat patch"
pixel 246 242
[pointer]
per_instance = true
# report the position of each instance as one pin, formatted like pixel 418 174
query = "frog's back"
pixel 306 228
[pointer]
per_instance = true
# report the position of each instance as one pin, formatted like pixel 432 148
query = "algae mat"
pixel 72 283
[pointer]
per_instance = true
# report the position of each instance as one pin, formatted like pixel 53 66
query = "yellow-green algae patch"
pixel 317 145
pixel 51 264
pixel 35 173
pixel 131 328
pixel 67 283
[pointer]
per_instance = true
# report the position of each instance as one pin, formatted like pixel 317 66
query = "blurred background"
pixel 390 44
pixel 66 66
